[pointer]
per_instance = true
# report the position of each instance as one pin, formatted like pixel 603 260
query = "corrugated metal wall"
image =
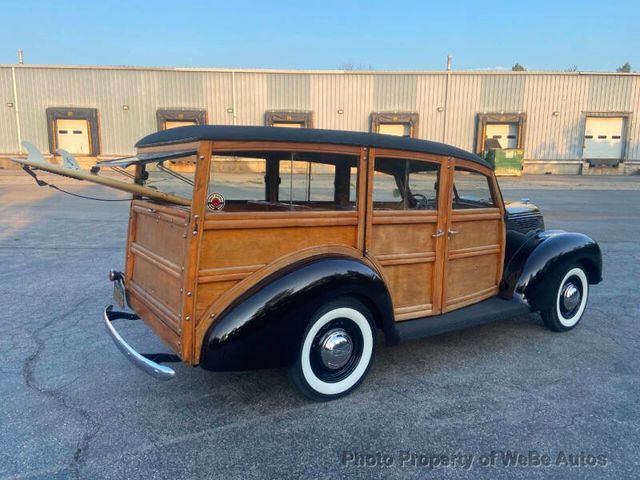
pixel 8 131
pixel 353 94
pixel 144 91
pixel 447 103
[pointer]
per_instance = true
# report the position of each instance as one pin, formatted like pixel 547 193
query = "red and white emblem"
pixel 215 202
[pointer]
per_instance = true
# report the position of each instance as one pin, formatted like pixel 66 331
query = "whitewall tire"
pixel 336 351
pixel 571 287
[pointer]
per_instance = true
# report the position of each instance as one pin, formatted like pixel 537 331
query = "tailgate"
pixel 155 267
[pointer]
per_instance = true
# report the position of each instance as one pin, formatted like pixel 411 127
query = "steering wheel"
pixel 422 202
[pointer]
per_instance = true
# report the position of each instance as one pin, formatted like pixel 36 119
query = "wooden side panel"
pixel 474 256
pixel 156 255
pixel 235 247
pixel 260 245
pixel 403 244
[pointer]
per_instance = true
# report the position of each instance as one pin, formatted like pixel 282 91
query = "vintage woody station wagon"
pixel 254 247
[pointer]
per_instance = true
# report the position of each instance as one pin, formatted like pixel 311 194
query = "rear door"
pixel 156 265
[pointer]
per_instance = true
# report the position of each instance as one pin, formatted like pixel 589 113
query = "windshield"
pixel 171 176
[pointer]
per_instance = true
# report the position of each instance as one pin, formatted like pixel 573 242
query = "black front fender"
pixel 264 327
pixel 537 255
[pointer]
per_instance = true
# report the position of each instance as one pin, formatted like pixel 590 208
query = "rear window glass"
pixel 171 176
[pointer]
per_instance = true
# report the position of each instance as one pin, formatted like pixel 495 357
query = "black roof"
pixel 303 135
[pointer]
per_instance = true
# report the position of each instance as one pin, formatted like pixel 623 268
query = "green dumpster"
pixel 506 161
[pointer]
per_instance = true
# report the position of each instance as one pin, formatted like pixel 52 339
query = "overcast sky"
pixel 384 35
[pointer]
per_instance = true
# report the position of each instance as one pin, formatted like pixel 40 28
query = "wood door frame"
pixel 192 264
pixel 388 217
pixel 497 212
pixel 444 205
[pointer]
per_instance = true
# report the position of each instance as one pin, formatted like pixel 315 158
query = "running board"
pixel 492 310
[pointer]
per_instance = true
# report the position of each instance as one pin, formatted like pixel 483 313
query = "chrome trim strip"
pixel 161 372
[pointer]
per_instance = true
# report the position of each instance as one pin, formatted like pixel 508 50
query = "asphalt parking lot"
pixel 73 407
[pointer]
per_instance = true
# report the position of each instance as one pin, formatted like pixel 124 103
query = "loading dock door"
pixel 178 123
pixel 73 136
pixel 505 133
pixel 603 138
pixel 398 129
pixel 288 124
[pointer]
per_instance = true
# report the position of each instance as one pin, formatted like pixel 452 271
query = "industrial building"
pixel 562 122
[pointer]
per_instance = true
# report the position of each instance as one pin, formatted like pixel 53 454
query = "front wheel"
pixel 336 351
pixel 572 289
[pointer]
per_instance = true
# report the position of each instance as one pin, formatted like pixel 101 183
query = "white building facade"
pixel 564 122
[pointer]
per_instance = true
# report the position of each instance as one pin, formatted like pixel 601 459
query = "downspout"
pixel 15 105
pixel 233 95
pixel 446 100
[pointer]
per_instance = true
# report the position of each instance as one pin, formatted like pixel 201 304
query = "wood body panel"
pixel 230 254
pixel 193 254
pixel 155 265
pixel 407 253
pixel 216 296
pixel 160 328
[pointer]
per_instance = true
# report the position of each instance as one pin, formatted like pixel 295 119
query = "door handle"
pixel 452 232
pixel 438 233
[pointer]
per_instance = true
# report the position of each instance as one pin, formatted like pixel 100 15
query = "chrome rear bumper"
pixel 161 372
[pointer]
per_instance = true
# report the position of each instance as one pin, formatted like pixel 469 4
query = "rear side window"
pixel 282 181
pixel 237 178
pixel 405 184
pixel 171 176
pixel 471 190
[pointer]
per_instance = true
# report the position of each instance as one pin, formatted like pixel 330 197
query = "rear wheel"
pixel 336 351
pixel 568 304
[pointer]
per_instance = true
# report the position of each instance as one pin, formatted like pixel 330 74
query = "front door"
pixel 475 238
pixel 405 230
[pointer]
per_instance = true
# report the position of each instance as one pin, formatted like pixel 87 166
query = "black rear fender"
pixel 264 327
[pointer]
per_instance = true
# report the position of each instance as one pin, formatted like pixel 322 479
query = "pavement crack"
pixel 92 427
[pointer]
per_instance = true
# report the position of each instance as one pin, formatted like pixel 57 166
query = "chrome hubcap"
pixel 570 297
pixel 336 348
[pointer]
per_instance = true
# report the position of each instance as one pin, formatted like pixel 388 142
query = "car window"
pixel 471 190
pixel 405 184
pixel 280 181
pixel 171 176
pixel 318 182
pixel 237 178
